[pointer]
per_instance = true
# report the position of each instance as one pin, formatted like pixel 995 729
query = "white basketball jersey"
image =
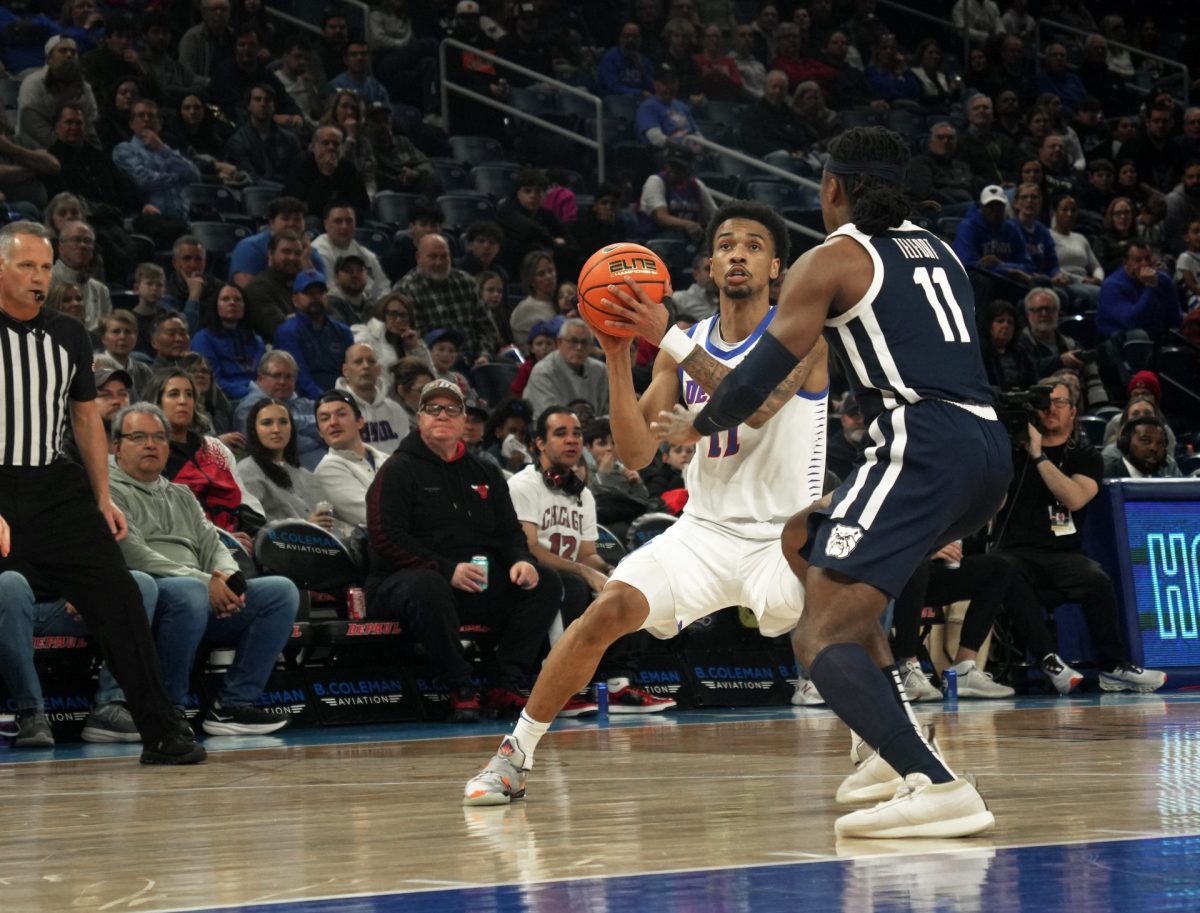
pixel 754 480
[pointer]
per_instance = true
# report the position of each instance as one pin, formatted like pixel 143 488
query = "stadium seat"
pixel 622 106
pixel 461 210
pixel 533 100
pixel 581 108
pixel 452 174
pixel 492 380
pixel 374 240
pixel 1094 427
pixel 1080 327
pixel 210 201
pixel 256 199
pixel 393 208
pixel 633 160
pixel 609 547
pixel 616 129
pixel 775 192
pixel 714 180
pixel 219 237
pixel 717 131
pixel 1179 364
pixel 1138 353
pixel 476 149
pixel 646 527
pixel 495 178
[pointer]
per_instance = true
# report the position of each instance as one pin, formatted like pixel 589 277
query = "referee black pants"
pixel 63 547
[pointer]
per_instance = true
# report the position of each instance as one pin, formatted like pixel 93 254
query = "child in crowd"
pixel 1187 267
pixel 149 283
pixel 444 346
pixel 118 336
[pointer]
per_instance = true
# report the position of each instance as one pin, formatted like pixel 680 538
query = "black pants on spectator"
pixel 990 583
pixel 618 660
pixel 423 601
pixel 1074 577
pixel 63 547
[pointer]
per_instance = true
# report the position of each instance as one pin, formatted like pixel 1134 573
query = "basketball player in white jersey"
pixel 743 485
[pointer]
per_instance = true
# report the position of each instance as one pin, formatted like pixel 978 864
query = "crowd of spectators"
pixel 292 358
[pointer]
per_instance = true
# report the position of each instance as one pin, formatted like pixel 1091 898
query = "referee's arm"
pixel 93 450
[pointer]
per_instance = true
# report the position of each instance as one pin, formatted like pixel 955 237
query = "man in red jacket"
pixel 432 511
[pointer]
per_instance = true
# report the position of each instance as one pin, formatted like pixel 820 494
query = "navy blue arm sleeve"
pixel 747 386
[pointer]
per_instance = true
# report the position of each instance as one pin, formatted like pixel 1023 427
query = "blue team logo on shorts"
pixel 843 540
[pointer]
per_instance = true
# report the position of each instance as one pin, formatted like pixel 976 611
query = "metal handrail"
pixel 740 156
pixel 1072 30
pixel 948 24
pixel 447 87
pixel 722 197
pixel 312 27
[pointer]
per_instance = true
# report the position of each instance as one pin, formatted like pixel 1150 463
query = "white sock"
pixel 528 733
pixel 616 684
pixel 964 667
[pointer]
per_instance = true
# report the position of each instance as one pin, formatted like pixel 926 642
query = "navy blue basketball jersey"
pixel 913 335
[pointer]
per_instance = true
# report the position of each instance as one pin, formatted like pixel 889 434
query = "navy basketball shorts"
pixel 934 472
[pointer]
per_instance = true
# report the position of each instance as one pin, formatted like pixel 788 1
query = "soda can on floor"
pixel 602 699
pixel 481 561
pixel 950 683
pixel 356 604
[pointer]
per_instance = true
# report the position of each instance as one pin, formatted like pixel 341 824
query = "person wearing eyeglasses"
pixel 433 508
pixel 277 371
pixel 939 175
pixel 569 372
pixel 1056 474
pixel 347 470
pixel 76 251
pixel 170 538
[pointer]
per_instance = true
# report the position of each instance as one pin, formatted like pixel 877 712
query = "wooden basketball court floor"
pixel 1097 803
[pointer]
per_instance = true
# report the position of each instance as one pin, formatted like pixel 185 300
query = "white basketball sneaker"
pixel 875 779
pixel 921 808
pixel 806 694
pixel 917 685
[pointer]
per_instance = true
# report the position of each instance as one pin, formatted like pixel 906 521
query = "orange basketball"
pixel 608 266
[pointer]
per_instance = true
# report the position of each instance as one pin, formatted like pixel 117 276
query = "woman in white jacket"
pixel 390 332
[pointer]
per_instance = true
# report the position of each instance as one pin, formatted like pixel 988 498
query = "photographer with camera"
pixel 1053 350
pixel 1056 474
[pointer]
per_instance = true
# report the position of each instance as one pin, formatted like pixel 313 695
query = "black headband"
pixel 885 170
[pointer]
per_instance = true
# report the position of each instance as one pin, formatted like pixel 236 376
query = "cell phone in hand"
pixel 236 583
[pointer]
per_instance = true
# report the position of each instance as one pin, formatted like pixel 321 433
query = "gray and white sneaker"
pixel 806 694
pixel 502 780
pixel 1062 676
pixel 33 730
pixel 1128 677
pixel 110 723
pixel 916 685
pixel 974 682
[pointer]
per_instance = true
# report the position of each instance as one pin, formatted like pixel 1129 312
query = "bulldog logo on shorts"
pixel 842 541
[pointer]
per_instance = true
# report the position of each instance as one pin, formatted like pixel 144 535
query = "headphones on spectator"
pixel 1125 438
pixel 564 481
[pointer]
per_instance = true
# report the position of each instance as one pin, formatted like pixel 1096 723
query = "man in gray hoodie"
pixel 201 594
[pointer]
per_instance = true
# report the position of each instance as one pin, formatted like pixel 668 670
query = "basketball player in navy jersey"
pixel 743 485
pixel 895 302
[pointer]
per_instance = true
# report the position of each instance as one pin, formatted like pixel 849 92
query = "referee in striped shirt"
pixel 58 526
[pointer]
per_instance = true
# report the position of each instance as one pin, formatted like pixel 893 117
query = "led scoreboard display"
pixel 1146 533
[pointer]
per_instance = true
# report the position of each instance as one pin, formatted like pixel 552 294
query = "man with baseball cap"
pixel 114 391
pixel 991 247
pixel 347 470
pixel 662 117
pixel 433 511
pixel 317 342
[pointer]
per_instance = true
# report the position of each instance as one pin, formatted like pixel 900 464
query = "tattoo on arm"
pixel 708 373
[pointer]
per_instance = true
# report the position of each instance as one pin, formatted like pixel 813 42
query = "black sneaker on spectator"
pixel 175 748
pixel 110 723
pixel 241 719
pixel 464 705
pixel 33 730
pixel 624 698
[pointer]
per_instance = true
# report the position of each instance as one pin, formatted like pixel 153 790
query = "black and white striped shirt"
pixel 43 362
